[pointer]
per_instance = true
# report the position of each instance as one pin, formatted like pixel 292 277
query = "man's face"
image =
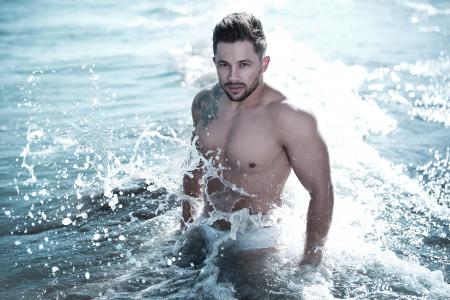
pixel 239 68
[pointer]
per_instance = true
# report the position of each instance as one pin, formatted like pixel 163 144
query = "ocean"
pixel 95 130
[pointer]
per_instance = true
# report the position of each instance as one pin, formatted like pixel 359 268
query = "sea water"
pixel 95 131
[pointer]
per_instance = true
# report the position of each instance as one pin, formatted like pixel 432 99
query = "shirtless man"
pixel 255 136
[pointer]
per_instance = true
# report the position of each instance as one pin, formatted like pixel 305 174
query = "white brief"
pixel 247 233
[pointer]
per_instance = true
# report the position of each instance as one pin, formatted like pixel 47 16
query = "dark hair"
pixel 240 27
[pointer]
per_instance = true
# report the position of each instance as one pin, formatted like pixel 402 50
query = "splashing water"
pixel 96 141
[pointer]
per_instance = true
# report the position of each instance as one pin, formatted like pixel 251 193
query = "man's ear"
pixel 265 63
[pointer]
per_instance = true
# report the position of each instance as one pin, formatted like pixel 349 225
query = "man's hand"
pixel 184 224
pixel 312 258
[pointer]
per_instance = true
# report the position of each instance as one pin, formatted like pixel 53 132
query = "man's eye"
pixel 222 65
pixel 243 65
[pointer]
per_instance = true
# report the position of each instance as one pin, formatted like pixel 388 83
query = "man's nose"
pixel 234 74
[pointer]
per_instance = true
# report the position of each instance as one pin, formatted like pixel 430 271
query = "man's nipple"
pixel 252 165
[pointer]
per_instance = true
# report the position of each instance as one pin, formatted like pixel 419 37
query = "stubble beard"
pixel 247 91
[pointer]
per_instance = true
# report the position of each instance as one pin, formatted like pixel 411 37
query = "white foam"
pixel 66 221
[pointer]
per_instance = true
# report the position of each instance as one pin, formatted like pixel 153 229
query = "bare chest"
pixel 243 143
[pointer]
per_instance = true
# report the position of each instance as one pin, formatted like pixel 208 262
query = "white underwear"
pixel 248 232
pixel 257 239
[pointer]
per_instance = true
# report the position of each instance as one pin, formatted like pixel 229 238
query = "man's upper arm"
pixel 196 108
pixel 306 150
pixel 196 111
pixel 192 178
pixel 205 107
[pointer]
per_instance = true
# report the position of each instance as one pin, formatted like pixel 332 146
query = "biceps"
pixel 310 162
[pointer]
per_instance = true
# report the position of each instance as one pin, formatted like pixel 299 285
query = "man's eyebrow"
pixel 240 61
pixel 245 61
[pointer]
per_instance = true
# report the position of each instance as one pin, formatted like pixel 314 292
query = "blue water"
pixel 95 128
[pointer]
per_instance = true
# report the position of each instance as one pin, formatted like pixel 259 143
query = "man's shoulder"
pixel 287 113
pixel 292 124
pixel 205 103
pixel 210 92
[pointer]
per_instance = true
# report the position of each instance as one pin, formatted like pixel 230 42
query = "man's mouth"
pixel 235 89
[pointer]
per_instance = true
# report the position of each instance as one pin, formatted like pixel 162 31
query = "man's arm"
pixel 192 188
pixel 192 179
pixel 204 110
pixel 309 159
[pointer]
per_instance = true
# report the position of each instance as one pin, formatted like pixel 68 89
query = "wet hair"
pixel 240 27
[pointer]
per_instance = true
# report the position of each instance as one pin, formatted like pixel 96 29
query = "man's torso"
pixel 252 166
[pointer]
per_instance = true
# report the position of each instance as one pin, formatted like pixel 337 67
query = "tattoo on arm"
pixel 207 104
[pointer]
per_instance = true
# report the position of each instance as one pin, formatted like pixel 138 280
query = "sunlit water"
pixel 95 128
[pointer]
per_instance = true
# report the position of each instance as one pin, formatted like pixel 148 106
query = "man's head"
pixel 240 27
pixel 239 46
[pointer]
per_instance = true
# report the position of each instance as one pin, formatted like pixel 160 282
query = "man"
pixel 254 136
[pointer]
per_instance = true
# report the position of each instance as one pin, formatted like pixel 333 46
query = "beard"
pixel 247 90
